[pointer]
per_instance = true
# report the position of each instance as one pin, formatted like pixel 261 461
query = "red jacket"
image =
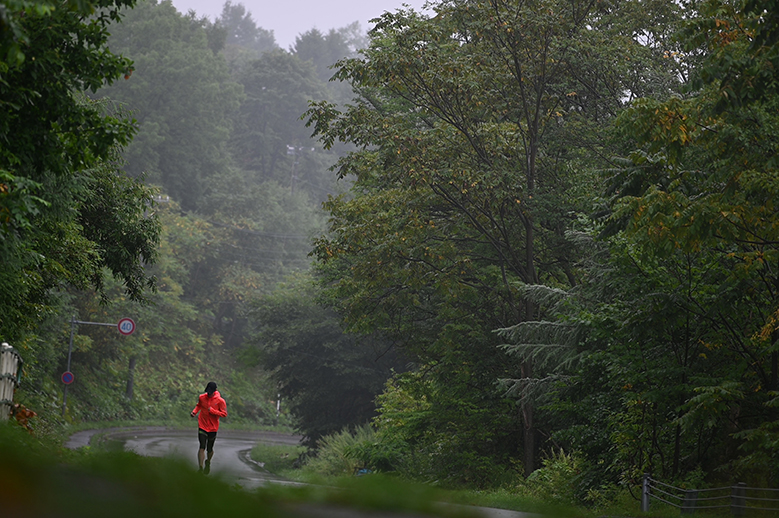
pixel 211 409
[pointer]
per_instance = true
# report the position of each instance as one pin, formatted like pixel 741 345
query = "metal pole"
pixel 737 500
pixel 70 351
pixel 645 494
pixel 73 323
pixel 690 499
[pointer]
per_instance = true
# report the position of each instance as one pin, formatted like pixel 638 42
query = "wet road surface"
pixel 231 461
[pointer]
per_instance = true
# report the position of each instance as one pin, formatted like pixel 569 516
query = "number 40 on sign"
pixel 126 326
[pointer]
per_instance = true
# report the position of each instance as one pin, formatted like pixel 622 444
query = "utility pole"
pixel 294 152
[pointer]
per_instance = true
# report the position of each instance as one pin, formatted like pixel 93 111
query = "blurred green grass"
pixel 391 493
pixel 373 493
pixel 279 459
pixel 39 479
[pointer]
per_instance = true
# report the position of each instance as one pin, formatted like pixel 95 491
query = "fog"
pixel 289 18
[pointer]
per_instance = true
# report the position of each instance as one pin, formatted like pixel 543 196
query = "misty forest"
pixel 497 241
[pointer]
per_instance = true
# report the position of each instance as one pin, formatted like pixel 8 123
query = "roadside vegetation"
pixel 340 462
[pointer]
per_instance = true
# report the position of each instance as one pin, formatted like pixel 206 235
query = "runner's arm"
pixel 219 410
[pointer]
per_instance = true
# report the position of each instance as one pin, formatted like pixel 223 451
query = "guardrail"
pixel 739 498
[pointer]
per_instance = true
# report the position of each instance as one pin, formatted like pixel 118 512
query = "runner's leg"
pixel 202 437
pixel 210 448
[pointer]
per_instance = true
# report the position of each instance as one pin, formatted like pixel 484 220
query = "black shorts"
pixel 206 439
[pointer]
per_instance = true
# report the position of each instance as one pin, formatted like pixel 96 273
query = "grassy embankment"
pixel 542 497
pixel 387 492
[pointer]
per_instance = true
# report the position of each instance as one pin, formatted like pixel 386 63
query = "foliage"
pixel 510 499
pixel 325 50
pixel 241 30
pixel 380 492
pixel 476 135
pixel 643 338
pixel 422 436
pixel 248 234
pixel 270 142
pixel 251 230
pixel 697 206
pixel 13 34
pixel 339 453
pixel 373 494
pixel 68 210
pixel 556 481
pixel 159 370
pixel 182 96
pixel 22 416
pixel 327 379
pixel 760 448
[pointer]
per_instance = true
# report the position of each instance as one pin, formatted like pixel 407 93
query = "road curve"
pixel 231 461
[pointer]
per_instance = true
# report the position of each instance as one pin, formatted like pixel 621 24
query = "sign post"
pixel 126 327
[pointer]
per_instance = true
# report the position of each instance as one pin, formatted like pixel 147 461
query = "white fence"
pixel 740 499
pixel 10 374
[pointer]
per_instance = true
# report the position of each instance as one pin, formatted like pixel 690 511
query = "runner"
pixel 211 407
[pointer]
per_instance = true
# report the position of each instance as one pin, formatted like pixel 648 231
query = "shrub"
pixel 558 480
pixel 339 453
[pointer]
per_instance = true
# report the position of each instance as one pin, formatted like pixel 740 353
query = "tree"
pixel 328 379
pixel 157 372
pixel 325 50
pixel 269 140
pixel 68 211
pixel 477 136
pixel 701 183
pixel 242 31
pixel 182 96
pixel 257 233
pixel 322 50
pixel 646 335
pixel 244 41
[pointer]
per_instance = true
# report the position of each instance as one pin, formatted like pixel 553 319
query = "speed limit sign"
pixel 126 326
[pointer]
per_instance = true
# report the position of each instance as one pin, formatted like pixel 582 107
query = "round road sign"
pixel 126 326
pixel 67 377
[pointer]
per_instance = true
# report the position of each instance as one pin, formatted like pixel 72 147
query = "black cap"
pixel 211 388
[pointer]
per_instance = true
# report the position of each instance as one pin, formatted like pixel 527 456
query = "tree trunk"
pixel 529 435
pixel 677 450
pixel 130 378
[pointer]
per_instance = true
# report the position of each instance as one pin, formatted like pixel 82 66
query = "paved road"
pixel 231 461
